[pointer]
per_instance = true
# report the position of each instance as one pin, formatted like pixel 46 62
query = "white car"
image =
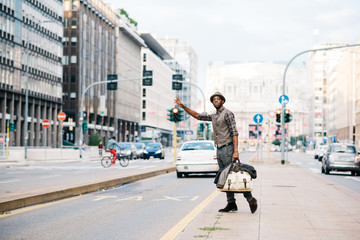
pixel 196 157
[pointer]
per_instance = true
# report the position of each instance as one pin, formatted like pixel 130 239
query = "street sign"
pixel 258 118
pixel 147 78
pixel 177 77
pixel 61 116
pixel 45 123
pixel 112 85
pixel 284 99
pixel 176 86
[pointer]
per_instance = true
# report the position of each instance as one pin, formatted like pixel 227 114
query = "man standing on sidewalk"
pixel 226 141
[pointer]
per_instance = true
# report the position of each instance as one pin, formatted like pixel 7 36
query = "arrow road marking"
pixel 102 198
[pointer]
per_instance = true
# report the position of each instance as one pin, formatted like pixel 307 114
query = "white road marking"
pixel 354 178
pixel 170 198
pixel 11 181
pixel 50 176
pixel 102 198
pixel 194 198
pixel 136 198
pixel 315 170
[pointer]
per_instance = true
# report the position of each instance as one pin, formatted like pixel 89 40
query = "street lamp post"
pixel 27 89
pixel 283 105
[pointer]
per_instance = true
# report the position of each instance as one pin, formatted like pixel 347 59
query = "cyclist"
pixel 114 149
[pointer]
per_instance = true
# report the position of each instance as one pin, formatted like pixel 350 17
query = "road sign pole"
pixel 175 140
pixel 282 134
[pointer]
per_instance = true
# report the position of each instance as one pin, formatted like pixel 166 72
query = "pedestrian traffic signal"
pixel 85 126
pixel 287 116
pixel 278 115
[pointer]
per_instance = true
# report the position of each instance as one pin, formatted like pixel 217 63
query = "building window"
pixel 73 23
pixel 65 41
pixel 144 92
pixel 73 95
pixel 73 77
pixel 65 77
pixel 144 104
pixel 144 116
pixel 73 59
pixel 65 60
pixel 73 41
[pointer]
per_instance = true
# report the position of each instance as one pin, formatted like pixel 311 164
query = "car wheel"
pixel 322 169
pixel 353 173
pixel 178 175
pixel 327 170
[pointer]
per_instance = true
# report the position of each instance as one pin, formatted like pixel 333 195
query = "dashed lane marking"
pixel 10 181
pixel 194 198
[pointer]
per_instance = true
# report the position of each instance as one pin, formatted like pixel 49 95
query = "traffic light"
pixel 287 116
pixel 170 115
pixel 85 126
pixel 201 127
pixel 181 115
pixel 208 127
pixel 11 126
pixel 278 115
pixel 175 112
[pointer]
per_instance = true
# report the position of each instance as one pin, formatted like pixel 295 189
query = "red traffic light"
pixel 278 111
pixel 287 111
pixel 175 110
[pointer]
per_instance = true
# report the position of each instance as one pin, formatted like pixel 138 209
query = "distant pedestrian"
pixel 100 146
pixel 226 141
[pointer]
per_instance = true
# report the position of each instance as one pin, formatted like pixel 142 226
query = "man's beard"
pixel 218 107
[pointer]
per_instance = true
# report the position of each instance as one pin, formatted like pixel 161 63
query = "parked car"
pixel 154 150
pixel 128 149
pixel 196 157
pixel 320 151
pixel 140 147
pixel 341 157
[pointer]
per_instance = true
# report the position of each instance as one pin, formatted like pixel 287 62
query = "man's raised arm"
pixel 188 110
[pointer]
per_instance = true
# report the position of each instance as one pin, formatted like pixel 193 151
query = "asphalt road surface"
pixel 145 209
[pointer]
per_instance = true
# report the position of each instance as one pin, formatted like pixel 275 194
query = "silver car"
pixel 341 157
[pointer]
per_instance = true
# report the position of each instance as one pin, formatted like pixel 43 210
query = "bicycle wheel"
pixel 124 162
pixel 106 161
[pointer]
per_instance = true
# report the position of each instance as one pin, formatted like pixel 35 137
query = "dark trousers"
pixel 224 157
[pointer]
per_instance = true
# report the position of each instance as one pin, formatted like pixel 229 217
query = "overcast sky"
pixel 247 30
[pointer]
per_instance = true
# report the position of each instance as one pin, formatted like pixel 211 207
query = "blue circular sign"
pixel 283 99
pixel 258 118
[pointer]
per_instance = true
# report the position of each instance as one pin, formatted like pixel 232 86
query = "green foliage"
pixel 276 142
pixel 94 139
pixel 123 12
pixel 132 21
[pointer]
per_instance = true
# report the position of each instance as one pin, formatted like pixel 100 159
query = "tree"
pixel 94 139
pixel 276 142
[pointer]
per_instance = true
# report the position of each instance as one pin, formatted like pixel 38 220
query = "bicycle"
pixel 107 160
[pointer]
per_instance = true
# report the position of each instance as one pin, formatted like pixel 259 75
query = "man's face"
pixel 217 102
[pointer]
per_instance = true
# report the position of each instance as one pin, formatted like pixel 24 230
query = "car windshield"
pixel 344 149
pixel 153 145
pixel 197 146
pixel 138 146
pixel 125 146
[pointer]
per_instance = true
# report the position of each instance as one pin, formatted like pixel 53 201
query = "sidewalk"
pixel 292 204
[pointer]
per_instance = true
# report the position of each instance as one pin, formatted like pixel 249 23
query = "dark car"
pixel 155 150
pixel 128 149
pixel 341 157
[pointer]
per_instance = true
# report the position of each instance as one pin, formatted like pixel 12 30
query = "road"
pixel 308 162
pixel 145 209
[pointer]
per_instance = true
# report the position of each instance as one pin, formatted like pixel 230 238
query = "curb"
pixel 77 190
